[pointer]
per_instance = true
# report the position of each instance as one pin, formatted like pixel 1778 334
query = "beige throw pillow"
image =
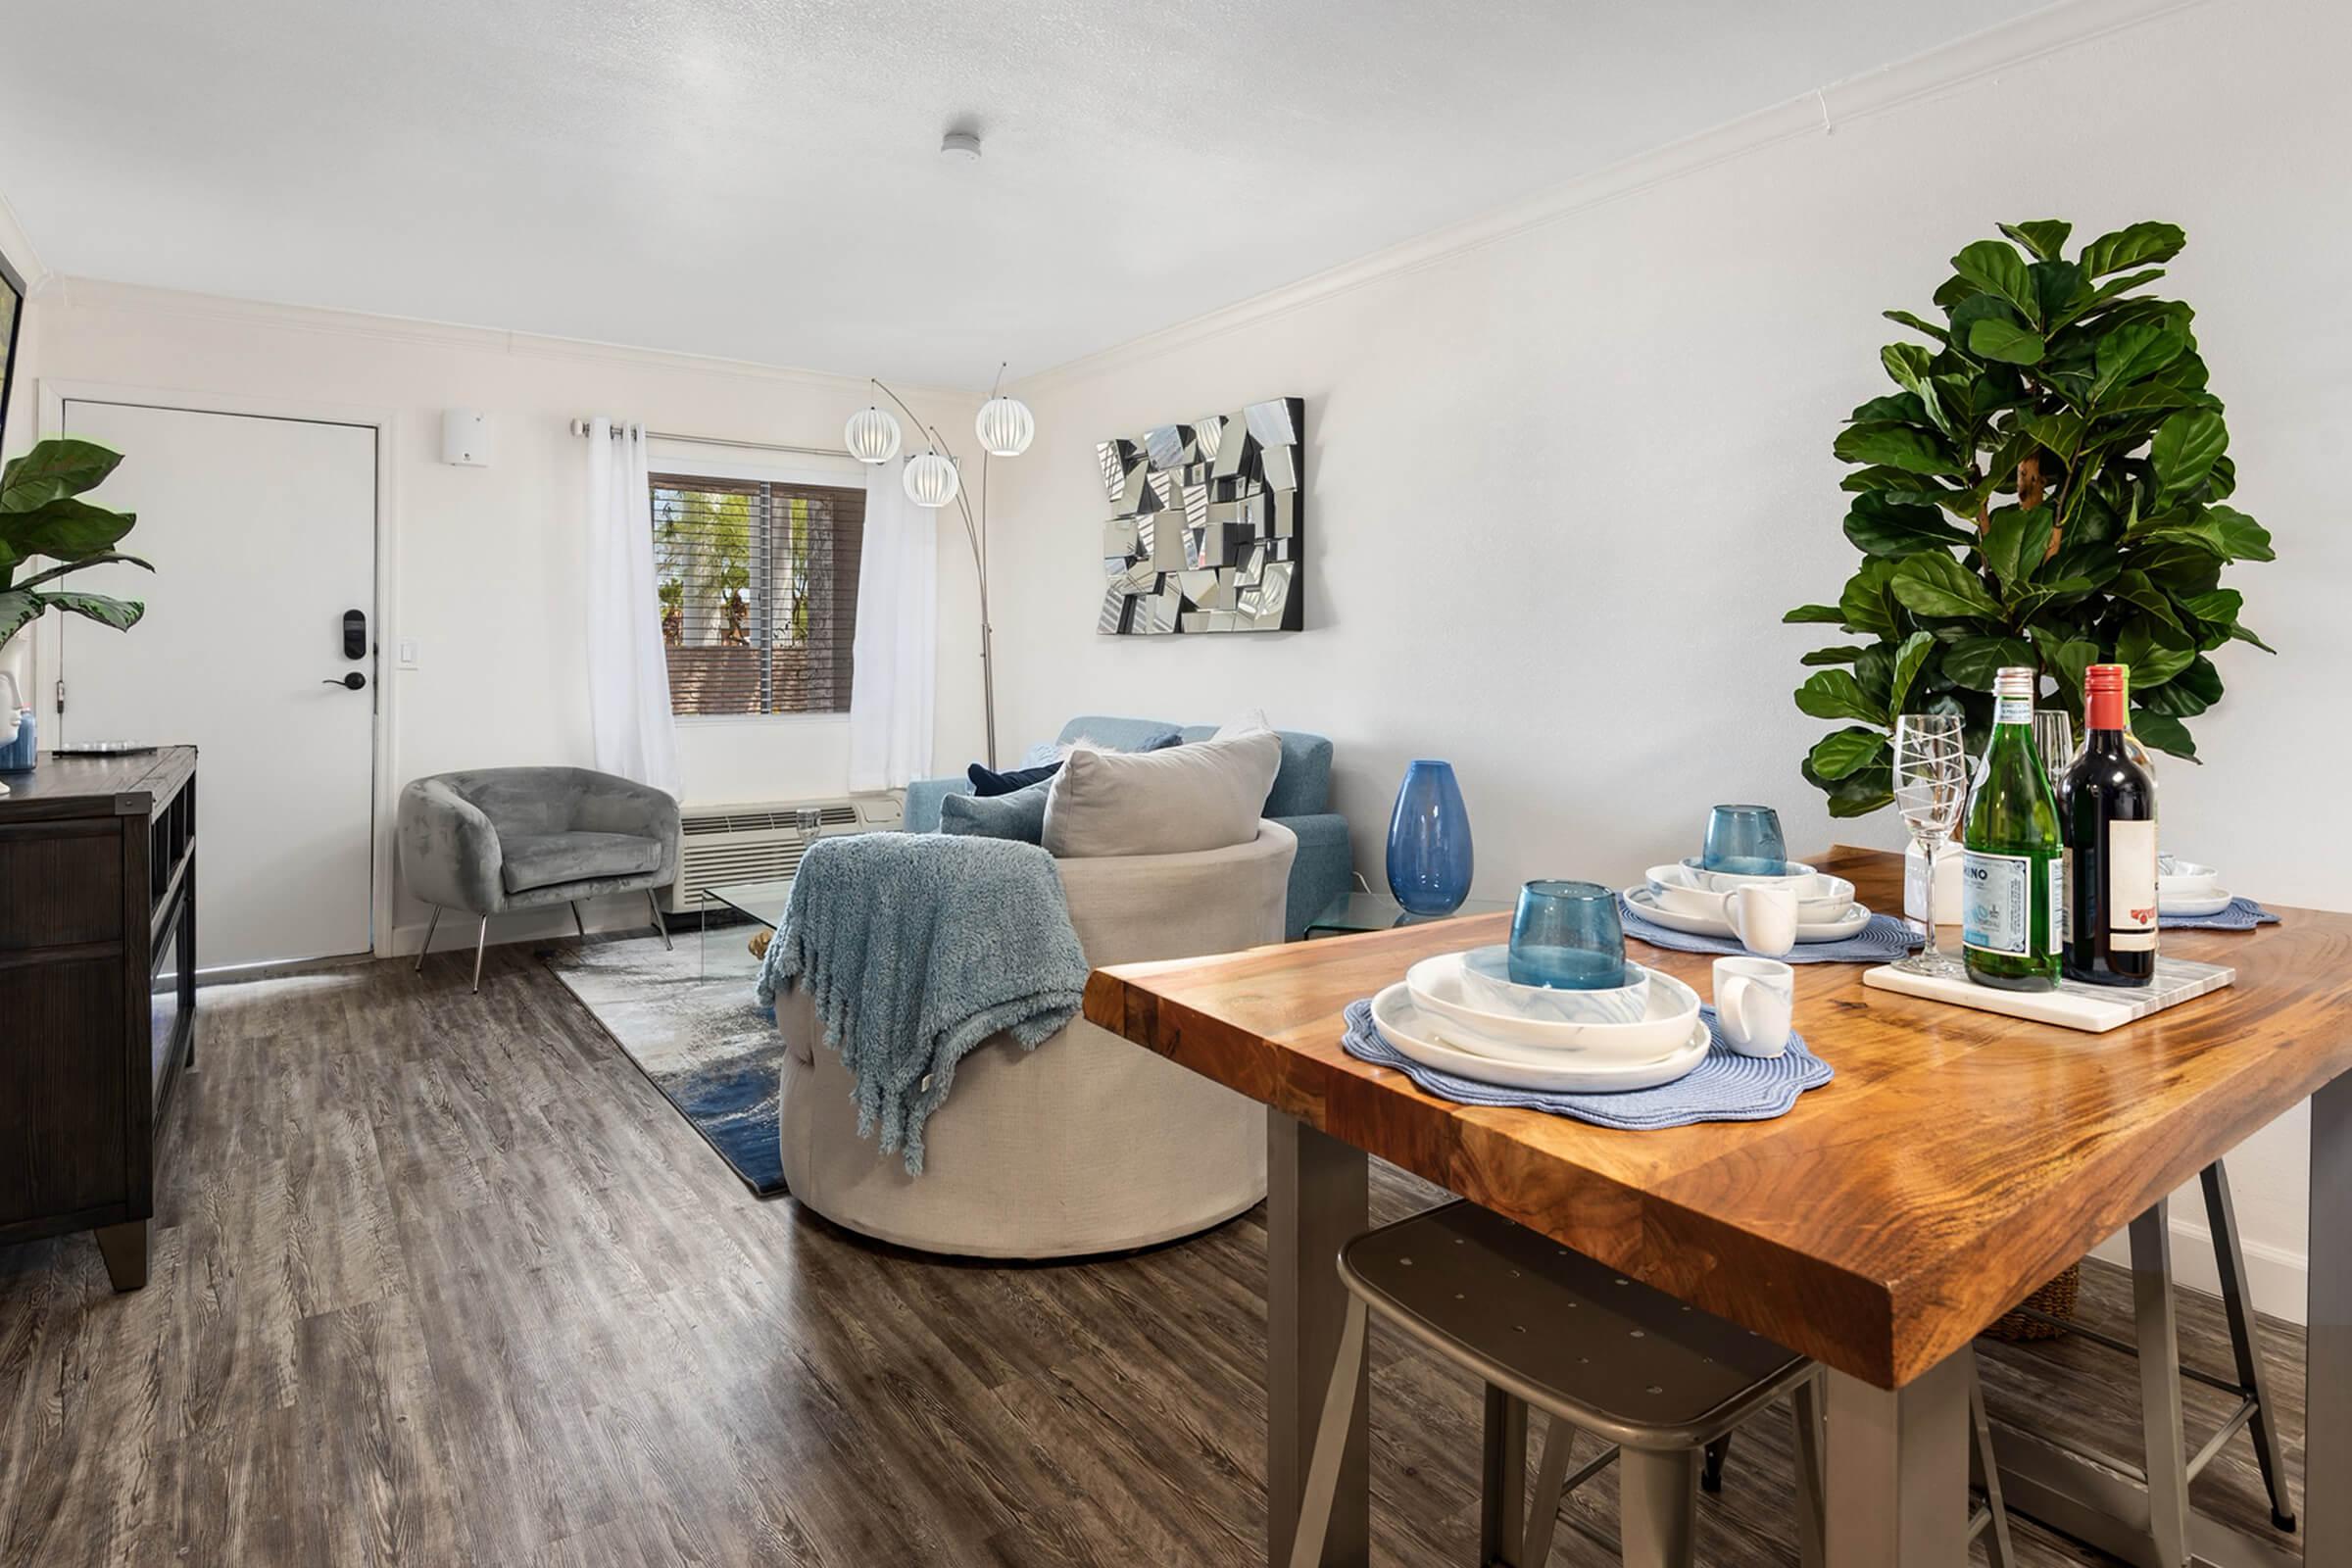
pixel 1206 795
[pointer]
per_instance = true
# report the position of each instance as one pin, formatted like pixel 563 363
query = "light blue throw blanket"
pixel 916 947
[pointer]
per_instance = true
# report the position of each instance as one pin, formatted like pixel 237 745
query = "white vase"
pixel 1947 884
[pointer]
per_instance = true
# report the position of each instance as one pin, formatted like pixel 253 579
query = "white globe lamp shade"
pixel 931 480
pixel 1005 427
pixel 871 436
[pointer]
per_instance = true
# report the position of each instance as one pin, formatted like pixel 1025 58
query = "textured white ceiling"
pixel 759 179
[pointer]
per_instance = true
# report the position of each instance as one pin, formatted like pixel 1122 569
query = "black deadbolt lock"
pixel 355 634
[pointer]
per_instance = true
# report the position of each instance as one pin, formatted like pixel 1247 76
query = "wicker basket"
pixel 2057 1298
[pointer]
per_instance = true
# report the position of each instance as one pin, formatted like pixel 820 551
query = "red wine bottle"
pixel 2107 817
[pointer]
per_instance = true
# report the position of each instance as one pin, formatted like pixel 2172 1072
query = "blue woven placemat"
pixel 1883 937
pixel 1725 1086
pixel 2243 915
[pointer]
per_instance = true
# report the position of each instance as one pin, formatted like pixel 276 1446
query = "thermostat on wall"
pixel 465 438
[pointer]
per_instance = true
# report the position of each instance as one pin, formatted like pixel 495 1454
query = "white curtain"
pixel 898 637
pixel 628 674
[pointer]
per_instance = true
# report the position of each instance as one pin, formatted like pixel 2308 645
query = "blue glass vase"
pixel 1429 841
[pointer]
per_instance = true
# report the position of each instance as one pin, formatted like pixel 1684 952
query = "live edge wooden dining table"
pixel 1958 1159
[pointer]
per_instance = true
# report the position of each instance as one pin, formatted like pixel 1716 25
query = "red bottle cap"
pixel 2103 693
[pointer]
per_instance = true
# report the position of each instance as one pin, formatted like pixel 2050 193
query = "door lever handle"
pixel 354 681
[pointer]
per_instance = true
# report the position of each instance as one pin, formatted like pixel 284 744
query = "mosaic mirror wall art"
pixel 1208 523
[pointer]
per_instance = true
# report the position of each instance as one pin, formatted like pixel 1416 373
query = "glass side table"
pixel 1376 911
pixel 762 902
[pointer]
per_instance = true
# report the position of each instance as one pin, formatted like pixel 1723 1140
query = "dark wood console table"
pixel 97 992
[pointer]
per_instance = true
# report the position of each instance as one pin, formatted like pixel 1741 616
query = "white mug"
pixel 1755 1003
pixel 1763 918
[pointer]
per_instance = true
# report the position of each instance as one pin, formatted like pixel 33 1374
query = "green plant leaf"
pixel 1906 318
pixel 52 471
pixel 1878 526
pixel 1864 607
pixel 86 562
pixel 2135 350
pixel 2188 694
pixel 1972 661
pixel 1895 446
pixel 2060 287
pixel 1906 364
pixel 63 529
pixel 18 610
pixel 2245 634
pixel 1837 694
pixel 2219 608
pixel 1896 407
pixel 1842 752
pixel 2139 245
pixel 2186 446
pixel 1992 338
pixel 2015 540
pixel 2135 587
pixel 1909 660
pixel 1934 584
pixel 120 614
pixel 1804 614
pixel 1844 654
pixel 1867 789
pixel 1994 266
pixel 2163 732
pixel 2155 652
pixel 2223 532
pixel 2045 237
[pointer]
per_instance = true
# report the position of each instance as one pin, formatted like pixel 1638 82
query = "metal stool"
pixel 1547 1327
pixel 2162 1486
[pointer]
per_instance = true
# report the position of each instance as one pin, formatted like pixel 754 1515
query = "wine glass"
pixel 2054 739
pixel 1931 790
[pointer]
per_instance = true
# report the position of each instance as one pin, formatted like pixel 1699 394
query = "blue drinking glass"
pixel 1745 840
pixel 1429 841
pixel 1566 936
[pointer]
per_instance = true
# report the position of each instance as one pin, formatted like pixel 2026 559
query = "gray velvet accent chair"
pixel 494 840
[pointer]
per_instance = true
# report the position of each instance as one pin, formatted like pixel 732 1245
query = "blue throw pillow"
pixel 1020 816
pixel 986 782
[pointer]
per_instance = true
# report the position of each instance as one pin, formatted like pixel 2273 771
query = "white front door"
pixel 263 535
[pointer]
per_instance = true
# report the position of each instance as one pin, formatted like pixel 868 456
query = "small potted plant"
pixel 44 520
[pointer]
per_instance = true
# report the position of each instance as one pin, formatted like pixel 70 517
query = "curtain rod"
pixel 581 427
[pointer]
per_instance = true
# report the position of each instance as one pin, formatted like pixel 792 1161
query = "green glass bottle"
pixel 2012 880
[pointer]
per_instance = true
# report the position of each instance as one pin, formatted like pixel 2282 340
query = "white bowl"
pixel 1798 875
pixel 2188 878
pixel 1486 984
pixel 1646 905
pixel 1821 899
pixel 1436 986
pixel 2192 905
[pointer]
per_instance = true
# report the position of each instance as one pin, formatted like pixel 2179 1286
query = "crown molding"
pixel 98 294
pixel 1923 78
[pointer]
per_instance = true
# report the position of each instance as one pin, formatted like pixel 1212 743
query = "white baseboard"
pixel 2277 1279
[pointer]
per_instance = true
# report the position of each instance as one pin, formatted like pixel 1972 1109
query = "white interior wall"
pixel 486 577
pixel 1567 466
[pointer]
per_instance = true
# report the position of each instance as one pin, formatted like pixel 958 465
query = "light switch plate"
pixel 408 653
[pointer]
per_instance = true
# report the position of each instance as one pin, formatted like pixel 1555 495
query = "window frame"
pixel 694 460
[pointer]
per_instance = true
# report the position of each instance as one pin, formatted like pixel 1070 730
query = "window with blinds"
pixel 758 585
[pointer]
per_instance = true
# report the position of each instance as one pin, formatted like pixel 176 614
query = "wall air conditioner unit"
pixel 719 845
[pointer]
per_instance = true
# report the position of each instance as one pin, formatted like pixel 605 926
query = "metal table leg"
pixel 1897 1491
pixel 2328 1358
pixel 1317 1196
pixel 1503 1492
pixel 2160 1383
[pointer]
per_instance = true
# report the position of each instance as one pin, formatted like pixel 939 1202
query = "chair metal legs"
pixel 482 938
pixel 577 924
pixel 653 903
pixel 1330 1443
pixel 430 927
pixel 1710 1479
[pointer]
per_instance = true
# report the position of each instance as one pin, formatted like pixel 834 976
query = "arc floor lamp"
pixel 934 479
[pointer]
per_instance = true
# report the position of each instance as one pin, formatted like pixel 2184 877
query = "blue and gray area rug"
pixel 698 1035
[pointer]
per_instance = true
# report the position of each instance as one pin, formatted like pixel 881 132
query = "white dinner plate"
pixel 1822 898
pixel 2192 905
pixel 1436 986
pixel 1645 904
pixel 1422 1036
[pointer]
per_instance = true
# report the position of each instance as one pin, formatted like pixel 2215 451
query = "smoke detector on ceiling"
pixel 964 144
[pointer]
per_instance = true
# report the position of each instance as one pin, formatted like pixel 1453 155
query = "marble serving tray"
pixel 2073 1005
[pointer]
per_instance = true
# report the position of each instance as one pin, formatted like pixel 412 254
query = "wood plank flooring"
pixel 440 1279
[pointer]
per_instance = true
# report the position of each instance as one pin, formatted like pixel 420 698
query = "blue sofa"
pixel 1325 866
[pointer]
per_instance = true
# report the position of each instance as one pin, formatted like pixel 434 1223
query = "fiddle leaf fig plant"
pixel 43 515
pixel 2046 485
